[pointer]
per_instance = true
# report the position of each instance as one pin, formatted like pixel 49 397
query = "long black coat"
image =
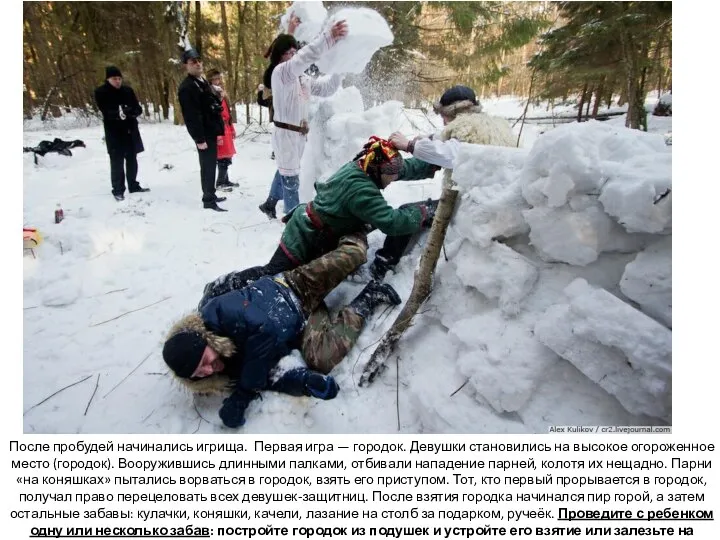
pixel 201 109
pixel 121 136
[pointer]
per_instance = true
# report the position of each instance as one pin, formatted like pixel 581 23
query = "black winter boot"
pixel 379 267
pixel 268 208
pixel 223 181
pixel 373 295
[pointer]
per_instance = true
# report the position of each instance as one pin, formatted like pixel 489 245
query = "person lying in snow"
pixel 345 203
pixel 236 339
pixel 56 145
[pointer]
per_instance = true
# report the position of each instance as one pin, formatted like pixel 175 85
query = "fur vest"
pixel 471 125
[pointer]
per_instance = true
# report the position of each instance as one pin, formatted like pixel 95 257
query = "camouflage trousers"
pixel 326 340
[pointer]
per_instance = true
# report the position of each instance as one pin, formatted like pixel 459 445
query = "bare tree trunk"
pixel 657 63
pixel 421 286
pixel 165 98
pixel 228 59
pixel 46 104
pixel 598 97
pixel 238 50
pixel 587 106
pixel 582 102
pixel 198 28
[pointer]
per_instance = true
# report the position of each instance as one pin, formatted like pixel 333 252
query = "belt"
pixel 315 220
pixel 280 280
pixel 302 128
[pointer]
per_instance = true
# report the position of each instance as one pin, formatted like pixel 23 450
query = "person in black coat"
pixel 201 110
pixel 120 108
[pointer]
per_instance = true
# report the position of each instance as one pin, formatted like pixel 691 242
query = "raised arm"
pixel 311 52
pixel 441 153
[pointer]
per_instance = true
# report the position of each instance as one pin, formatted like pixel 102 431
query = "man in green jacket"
pixel 347 202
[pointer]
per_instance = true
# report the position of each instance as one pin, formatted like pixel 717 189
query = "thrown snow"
pixel 501 346
pixel 368 32
pixel 312 14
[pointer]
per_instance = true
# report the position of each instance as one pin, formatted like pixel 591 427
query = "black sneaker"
pixel 268 211
pixel 220 199
pixel 139 189
pixel 227 188
pixel 213 206
pixel 119 197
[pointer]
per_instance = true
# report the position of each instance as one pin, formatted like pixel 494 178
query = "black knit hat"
pixel 112 71
pixel 282 44
pixel 183 351
pixel 458 93
pixel 188 54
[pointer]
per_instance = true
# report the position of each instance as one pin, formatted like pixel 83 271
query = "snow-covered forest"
pixel 551 303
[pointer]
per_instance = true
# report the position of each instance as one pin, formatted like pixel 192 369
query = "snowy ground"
pixel 109 280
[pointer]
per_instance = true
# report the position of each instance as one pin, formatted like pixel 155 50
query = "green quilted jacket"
pixel 344 204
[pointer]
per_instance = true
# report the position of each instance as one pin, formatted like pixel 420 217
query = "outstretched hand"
pixel 399 141
pixel 339 30
pixel 293 23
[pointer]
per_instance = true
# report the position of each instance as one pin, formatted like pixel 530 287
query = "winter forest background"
pixel 551 304
pixel 589 52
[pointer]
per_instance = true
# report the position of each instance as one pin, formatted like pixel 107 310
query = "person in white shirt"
pixel 291 91
pixel 465 122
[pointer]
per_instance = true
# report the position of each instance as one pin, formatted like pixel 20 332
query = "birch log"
pixel 421 286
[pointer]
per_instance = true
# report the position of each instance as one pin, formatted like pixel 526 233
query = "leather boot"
pixel 372 296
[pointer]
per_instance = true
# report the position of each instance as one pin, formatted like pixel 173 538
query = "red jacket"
pixel 225 142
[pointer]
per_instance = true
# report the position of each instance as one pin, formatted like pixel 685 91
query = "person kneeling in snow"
pixel 235 340
pixel 346 203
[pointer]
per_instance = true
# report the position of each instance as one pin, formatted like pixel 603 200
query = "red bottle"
pixel 59 214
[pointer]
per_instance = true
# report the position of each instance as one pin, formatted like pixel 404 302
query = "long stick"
pixel 131 311
pixel 421 286
pixel 397 389
pixel 56 393
pixel 524 114
pixel 97 382
pixel 126 376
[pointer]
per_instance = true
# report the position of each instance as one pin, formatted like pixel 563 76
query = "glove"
pixel 320 386
pixel 305 382
pixel 233 408
pixel 223 284
pixel 430 209
pixel 128 112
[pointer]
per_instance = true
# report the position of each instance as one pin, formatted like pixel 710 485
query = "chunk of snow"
pixel 312 15
pixel 623 350
pixel 367 33
pixel 648 280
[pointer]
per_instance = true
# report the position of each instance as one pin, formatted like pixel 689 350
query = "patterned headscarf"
pixel 380 160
